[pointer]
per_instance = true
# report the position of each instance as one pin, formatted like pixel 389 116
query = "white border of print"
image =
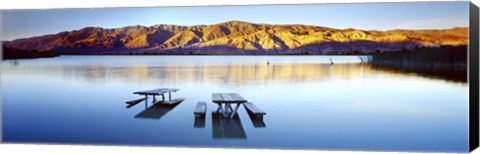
pixel 79 149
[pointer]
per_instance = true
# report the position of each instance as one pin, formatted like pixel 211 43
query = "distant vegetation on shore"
pixel 443 56
pixel 447 62
pixel 9 53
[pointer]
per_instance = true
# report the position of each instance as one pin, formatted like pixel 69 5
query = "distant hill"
pixel 236 37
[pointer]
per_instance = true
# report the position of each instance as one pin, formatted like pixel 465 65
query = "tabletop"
pixel 227 98
pixel 156 91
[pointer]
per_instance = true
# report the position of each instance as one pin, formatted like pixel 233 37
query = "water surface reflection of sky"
pixel 309 103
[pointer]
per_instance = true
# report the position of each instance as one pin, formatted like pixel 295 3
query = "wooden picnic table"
pixel 160 91
pixel 224 102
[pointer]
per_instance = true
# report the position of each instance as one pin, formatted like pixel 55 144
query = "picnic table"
pixel 160 91
pixel 225 101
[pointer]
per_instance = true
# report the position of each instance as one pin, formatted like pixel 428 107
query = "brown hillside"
pixel 237 37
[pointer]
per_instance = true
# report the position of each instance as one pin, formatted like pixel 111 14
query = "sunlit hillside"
pixel 236 37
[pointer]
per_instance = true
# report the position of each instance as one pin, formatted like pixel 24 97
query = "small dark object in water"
pixel 268 63
pixel 15 63
pixel 331 61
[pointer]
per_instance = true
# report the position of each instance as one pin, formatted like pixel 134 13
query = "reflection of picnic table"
pixel 156 111
pixel 157 92
pixel 231 128
pixel 225 101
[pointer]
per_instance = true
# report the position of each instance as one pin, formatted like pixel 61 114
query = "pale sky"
pixel 367 16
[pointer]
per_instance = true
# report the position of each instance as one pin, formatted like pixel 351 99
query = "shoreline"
pixel 169 55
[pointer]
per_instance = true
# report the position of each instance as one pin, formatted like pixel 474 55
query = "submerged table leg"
pixel 220 108
pixel 235 111
pixel 230 107
pixel 169 96
pixel 146 102
pixel 154 100
pixel 227 110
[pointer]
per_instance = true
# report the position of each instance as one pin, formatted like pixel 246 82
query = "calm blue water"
pixel 310 104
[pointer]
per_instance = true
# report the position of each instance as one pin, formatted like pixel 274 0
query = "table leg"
pixel 146 102
pixel 227 111
pixel 235 111
pixel 230 107
pixel 220 108
pixel 169 96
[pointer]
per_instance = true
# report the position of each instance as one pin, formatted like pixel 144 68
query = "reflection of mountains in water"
pixel 240 74
pixel 234 74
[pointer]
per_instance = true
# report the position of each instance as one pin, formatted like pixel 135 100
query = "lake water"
pixel 310 104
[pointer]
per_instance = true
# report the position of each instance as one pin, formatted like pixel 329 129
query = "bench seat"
pixel 200 110
pixel 254 110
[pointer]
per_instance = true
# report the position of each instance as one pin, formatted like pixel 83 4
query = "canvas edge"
pixel 1 93
pixel 473 53
pixel 473 68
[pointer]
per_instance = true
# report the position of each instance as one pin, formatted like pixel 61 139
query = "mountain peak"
pixel 236 22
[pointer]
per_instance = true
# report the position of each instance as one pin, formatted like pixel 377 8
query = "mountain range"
pixel 236 37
